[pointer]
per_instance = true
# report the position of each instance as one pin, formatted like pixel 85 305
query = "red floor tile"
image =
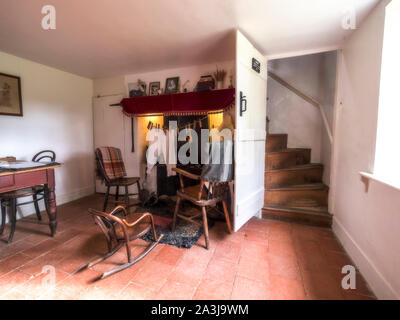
pixel 35 266
pixel 41 248
pixel 254 269
pixel 254 250
pixel 280 231
pixel 285 266
pixel 330 244
pixel 220 269
pixel 135 291
pixel 337 259
pixel 13 262
pixel 12 280
pixel 213 290
pixel 310 255
pixel 228 250
pixel 75 285
pixel 321 286
pixel 153 274
pixel 176 291
pixel 259 225
pixel 258 236
pixel 246 289
pixel 169 255
pixel 282 248
pixel 188 272
pixel 42 284
pixel 282 288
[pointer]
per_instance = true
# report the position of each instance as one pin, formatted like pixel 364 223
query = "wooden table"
pixel 15 180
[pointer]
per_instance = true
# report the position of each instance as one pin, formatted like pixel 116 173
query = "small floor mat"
pixel 185 235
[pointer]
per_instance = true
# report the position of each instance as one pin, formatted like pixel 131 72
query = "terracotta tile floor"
pixel 264 260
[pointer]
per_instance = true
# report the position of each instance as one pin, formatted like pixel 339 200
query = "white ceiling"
pixel 98 38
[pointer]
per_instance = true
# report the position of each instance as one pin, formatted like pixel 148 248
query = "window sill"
pixel 371 176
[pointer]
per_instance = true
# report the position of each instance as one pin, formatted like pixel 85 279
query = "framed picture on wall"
pixel 153 88
pixel 172 85
pixel 10 95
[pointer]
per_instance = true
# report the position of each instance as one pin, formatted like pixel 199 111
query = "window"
pixel 387 156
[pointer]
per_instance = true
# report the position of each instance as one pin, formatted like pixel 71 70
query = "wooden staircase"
pixel 293 186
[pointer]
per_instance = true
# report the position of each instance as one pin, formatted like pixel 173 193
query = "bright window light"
pixel 387 156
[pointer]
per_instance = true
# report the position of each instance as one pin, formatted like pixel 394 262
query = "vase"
pixel 220 84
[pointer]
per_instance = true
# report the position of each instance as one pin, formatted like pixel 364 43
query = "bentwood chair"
pixel 111 170
pixel 40 192
pixel 201 197
pixel 120 229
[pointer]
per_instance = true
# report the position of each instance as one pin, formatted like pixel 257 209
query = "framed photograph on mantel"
pixel 10 95
pixel 172 85
pixel 154 88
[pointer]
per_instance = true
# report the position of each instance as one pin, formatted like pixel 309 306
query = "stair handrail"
pixel 306 98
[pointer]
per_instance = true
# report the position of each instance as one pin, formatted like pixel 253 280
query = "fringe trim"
pixel 185 113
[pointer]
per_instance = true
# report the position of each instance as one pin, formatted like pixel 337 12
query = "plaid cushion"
pixel 112 162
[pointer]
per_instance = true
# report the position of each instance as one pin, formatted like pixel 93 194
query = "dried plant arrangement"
pixel 220 74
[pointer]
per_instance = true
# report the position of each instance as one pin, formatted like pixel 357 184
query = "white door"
pixel 250 134
pixel 108 127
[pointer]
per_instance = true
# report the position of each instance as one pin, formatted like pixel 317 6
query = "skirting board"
pixel 75 195
pixel 377 282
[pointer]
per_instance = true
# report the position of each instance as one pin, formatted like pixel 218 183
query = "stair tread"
pixel 276 134
pixel 300 166
pixel 308 186
pixel 289 150
pixel 310 210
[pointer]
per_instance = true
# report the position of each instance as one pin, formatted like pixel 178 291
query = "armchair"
pixel 202 197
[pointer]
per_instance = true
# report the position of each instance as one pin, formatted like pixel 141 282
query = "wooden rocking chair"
pixel 121 231
pixel 199 196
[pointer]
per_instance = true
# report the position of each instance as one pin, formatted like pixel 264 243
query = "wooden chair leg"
pixel 205 227
pixel 128 251
pixel 36 204
pixel 127 196
pixel 13 218
pixel 178 201
pixel 228 222
pixel 3 216
pixel 106 198
pixel 138 189
pixel 116 193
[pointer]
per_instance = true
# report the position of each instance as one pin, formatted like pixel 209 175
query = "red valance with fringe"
pixel 189 103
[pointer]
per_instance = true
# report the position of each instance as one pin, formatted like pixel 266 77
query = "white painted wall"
pixel 57 115
pixel 290 114
pixel 366 222
pixel 314 75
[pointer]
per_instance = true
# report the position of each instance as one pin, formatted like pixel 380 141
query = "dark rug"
pixel 185 235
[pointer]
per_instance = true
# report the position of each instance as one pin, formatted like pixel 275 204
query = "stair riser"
pixel 293 177
pixel 283 160
pixel 296 198
pixel 299 217
pixel 276 142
